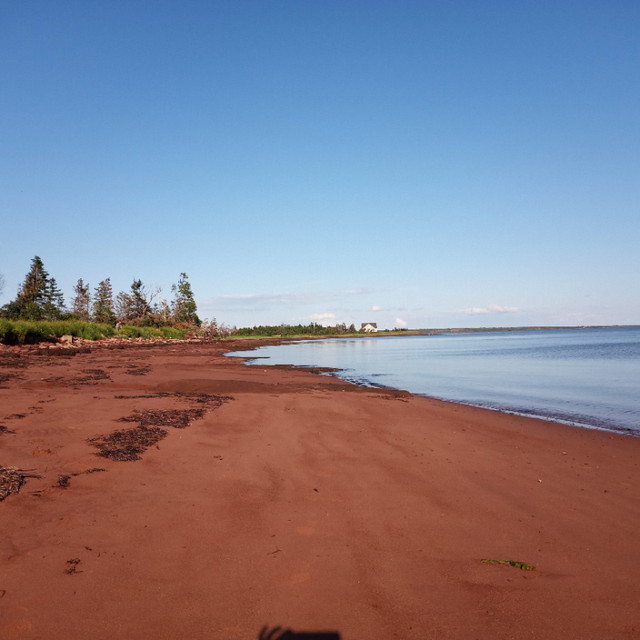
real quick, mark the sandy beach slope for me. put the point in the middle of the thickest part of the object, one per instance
(280, 497)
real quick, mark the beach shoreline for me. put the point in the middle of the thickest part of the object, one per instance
(297, 500)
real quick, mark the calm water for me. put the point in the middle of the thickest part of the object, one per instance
(585, 377)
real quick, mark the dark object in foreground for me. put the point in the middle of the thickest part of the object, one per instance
(278, 633)
(176, 418)
(72, 566)
(11, 480)
(127, 444)
(514, 563)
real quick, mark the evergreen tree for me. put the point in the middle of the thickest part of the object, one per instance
(103, 303)
(34, 285)
(135, 306)
(184, 306)
(140, 301)
(53, 306)
(123, 305)
(82, 301)
(39, 297)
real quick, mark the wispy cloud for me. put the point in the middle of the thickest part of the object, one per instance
(322, 316)
(400, 322)
(491, 308)
(254, 300)
(257, 301)
(357, 292)
(376, 308)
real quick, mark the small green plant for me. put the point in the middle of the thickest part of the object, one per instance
(514, 563)
(173, 333)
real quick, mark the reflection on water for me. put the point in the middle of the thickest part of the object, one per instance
(589, 377)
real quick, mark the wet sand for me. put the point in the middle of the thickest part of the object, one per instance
(279, 497)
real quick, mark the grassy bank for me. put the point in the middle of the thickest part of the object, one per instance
(30, 332)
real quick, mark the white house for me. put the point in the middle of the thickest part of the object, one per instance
(368, 327)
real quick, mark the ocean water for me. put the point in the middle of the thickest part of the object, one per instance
(583, 377)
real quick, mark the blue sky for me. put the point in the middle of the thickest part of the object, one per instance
(410, 163)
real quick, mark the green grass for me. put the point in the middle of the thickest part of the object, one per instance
(30, 332)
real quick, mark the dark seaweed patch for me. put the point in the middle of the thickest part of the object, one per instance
(210, 400)
(92, 376)
(176, 418)
(12, 360)
(10, 481)
(72, 566)
(137, 371)
(127, 444)
(159, 394)
(6, 376)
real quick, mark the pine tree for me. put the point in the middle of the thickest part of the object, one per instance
(53, 306)
(34, 285)
(103, 303)
(184, 306)
(39, 297)
(139, 300)
(123, 306)
(135, 306)
(82, 301)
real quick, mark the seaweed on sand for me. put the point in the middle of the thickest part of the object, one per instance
(92, 376)
(513, 563)
(11, 479)
(127, 444)
(134, 370)
(176, 418)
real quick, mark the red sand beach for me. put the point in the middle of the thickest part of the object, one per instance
(278, 497)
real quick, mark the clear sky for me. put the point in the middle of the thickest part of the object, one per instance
(428, 163)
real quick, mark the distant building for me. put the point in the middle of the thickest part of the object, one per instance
(368, 327)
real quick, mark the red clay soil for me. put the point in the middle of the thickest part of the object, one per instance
(279, 497)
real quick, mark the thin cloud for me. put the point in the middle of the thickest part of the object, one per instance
(286, 297)
(357, 292)
(267, 297)
(400, 322)
(259, 301)
(491, 308)
(322, 316)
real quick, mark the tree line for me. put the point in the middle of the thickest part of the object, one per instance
(283, 330)
(40, 298)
